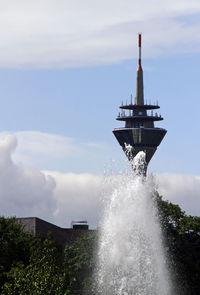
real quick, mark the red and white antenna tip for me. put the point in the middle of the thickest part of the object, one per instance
(139, 40)
(140, 52)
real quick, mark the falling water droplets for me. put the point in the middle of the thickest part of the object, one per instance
(131, 259)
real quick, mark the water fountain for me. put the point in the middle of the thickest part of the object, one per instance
(131, 259)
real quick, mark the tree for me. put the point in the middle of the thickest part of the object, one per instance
(43, 275)
(15, 246)
(182, 242)
(80, 263)
(34, 267)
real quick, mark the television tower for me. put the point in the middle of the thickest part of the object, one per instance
(139, 133)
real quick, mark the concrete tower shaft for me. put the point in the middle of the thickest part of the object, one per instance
(139, 99)
(139, 131)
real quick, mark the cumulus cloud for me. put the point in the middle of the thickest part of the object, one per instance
(62, 197)
(54, 196)
(183, 190)
(53, 151)
(67, 33)
(78, 197)
(23, 191)
(43, 144)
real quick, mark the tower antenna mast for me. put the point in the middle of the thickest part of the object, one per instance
(139, 131)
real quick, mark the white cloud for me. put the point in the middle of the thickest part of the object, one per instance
(67, 33)
(46, 144)
(54, 196)
(78, 197)
(23, 191)
(183, 190)
(62, 197)
(52, 151)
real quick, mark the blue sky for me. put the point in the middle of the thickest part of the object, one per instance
(65, 67)
(82, 104)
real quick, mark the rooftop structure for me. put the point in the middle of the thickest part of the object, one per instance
(62, 236)
(139, 132)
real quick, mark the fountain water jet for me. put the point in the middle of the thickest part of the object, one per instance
(131, 258)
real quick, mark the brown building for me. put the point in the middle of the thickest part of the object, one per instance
(62, 236)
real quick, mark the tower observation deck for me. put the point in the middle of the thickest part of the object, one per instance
(139, 131)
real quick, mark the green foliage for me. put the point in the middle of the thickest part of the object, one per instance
(43, 275)
(29, 266)
(182, 241)
(80, 260)
(173, 219)
(15, 246)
